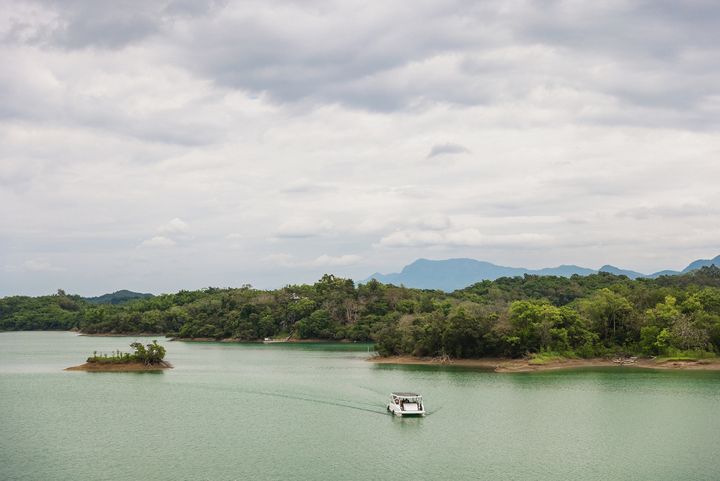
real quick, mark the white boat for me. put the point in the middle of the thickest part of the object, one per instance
(406, 404)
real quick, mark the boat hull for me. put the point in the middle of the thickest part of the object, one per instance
(399, 412)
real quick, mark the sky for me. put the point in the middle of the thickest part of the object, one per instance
(167, 145)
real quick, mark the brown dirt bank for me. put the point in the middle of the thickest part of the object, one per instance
(211, 339)
(126, 367)
(524, 365)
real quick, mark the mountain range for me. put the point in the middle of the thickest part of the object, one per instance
(451, 274)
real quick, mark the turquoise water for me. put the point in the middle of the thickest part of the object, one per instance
(317, 412)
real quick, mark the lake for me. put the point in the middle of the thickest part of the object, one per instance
(317, 412)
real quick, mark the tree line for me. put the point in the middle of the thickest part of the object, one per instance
(585, 316)
(149, 354)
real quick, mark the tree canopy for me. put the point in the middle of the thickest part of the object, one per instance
(584, 315)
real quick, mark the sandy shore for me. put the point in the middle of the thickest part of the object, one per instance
(525, 365)
(127, 367)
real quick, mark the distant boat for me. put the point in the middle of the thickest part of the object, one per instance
(269, 340)
(406, 404)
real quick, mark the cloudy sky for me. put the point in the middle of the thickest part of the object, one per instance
(164, 145)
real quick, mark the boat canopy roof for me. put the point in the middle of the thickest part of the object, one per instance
(405, 394)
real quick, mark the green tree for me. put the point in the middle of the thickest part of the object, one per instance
(610, 313)
(153, 353)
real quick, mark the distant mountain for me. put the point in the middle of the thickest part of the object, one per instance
(452, 274)
(621, 272)
(655, 275)
(119, 297)
(702, 263)
(563, 271)
(447, 274)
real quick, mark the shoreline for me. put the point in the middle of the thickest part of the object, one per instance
(112, 334)
(125, 367)
(261, 341)
(502, 365)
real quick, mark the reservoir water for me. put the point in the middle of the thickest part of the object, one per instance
(317, 412)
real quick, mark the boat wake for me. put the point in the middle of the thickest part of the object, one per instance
(368, 407)
(339, 402)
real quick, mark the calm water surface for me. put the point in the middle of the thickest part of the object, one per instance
(317, 412)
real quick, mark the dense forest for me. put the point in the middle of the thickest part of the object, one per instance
(585, 316)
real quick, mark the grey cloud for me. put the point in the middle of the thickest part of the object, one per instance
(105, 24)
(298, 127)
(655, 62)
(41, 95)
(663, 48)
(78, 24)
(441, 149)
(645, 29)
(377, 68)
(327, 55)
(193, 7)
(108, 32)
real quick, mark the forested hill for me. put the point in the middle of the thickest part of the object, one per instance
(585, 316)
(118, 297)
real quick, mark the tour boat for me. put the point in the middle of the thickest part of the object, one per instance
(406, 404)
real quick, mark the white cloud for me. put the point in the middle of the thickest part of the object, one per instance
(40, 265)
(300, 227)
(464, 237)
(281, 259)
(335, 261)
(676, 209)
(158, 241)
(174, 226)
(324, 260)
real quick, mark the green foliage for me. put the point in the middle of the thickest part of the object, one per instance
(610, 314)
(587, 316)
(651, 343)
(55, 312)
(317, 325)
(115, 357)
(686, 355)
(149, 354)
(545, 357)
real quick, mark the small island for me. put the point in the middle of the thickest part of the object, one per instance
(143, 358)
